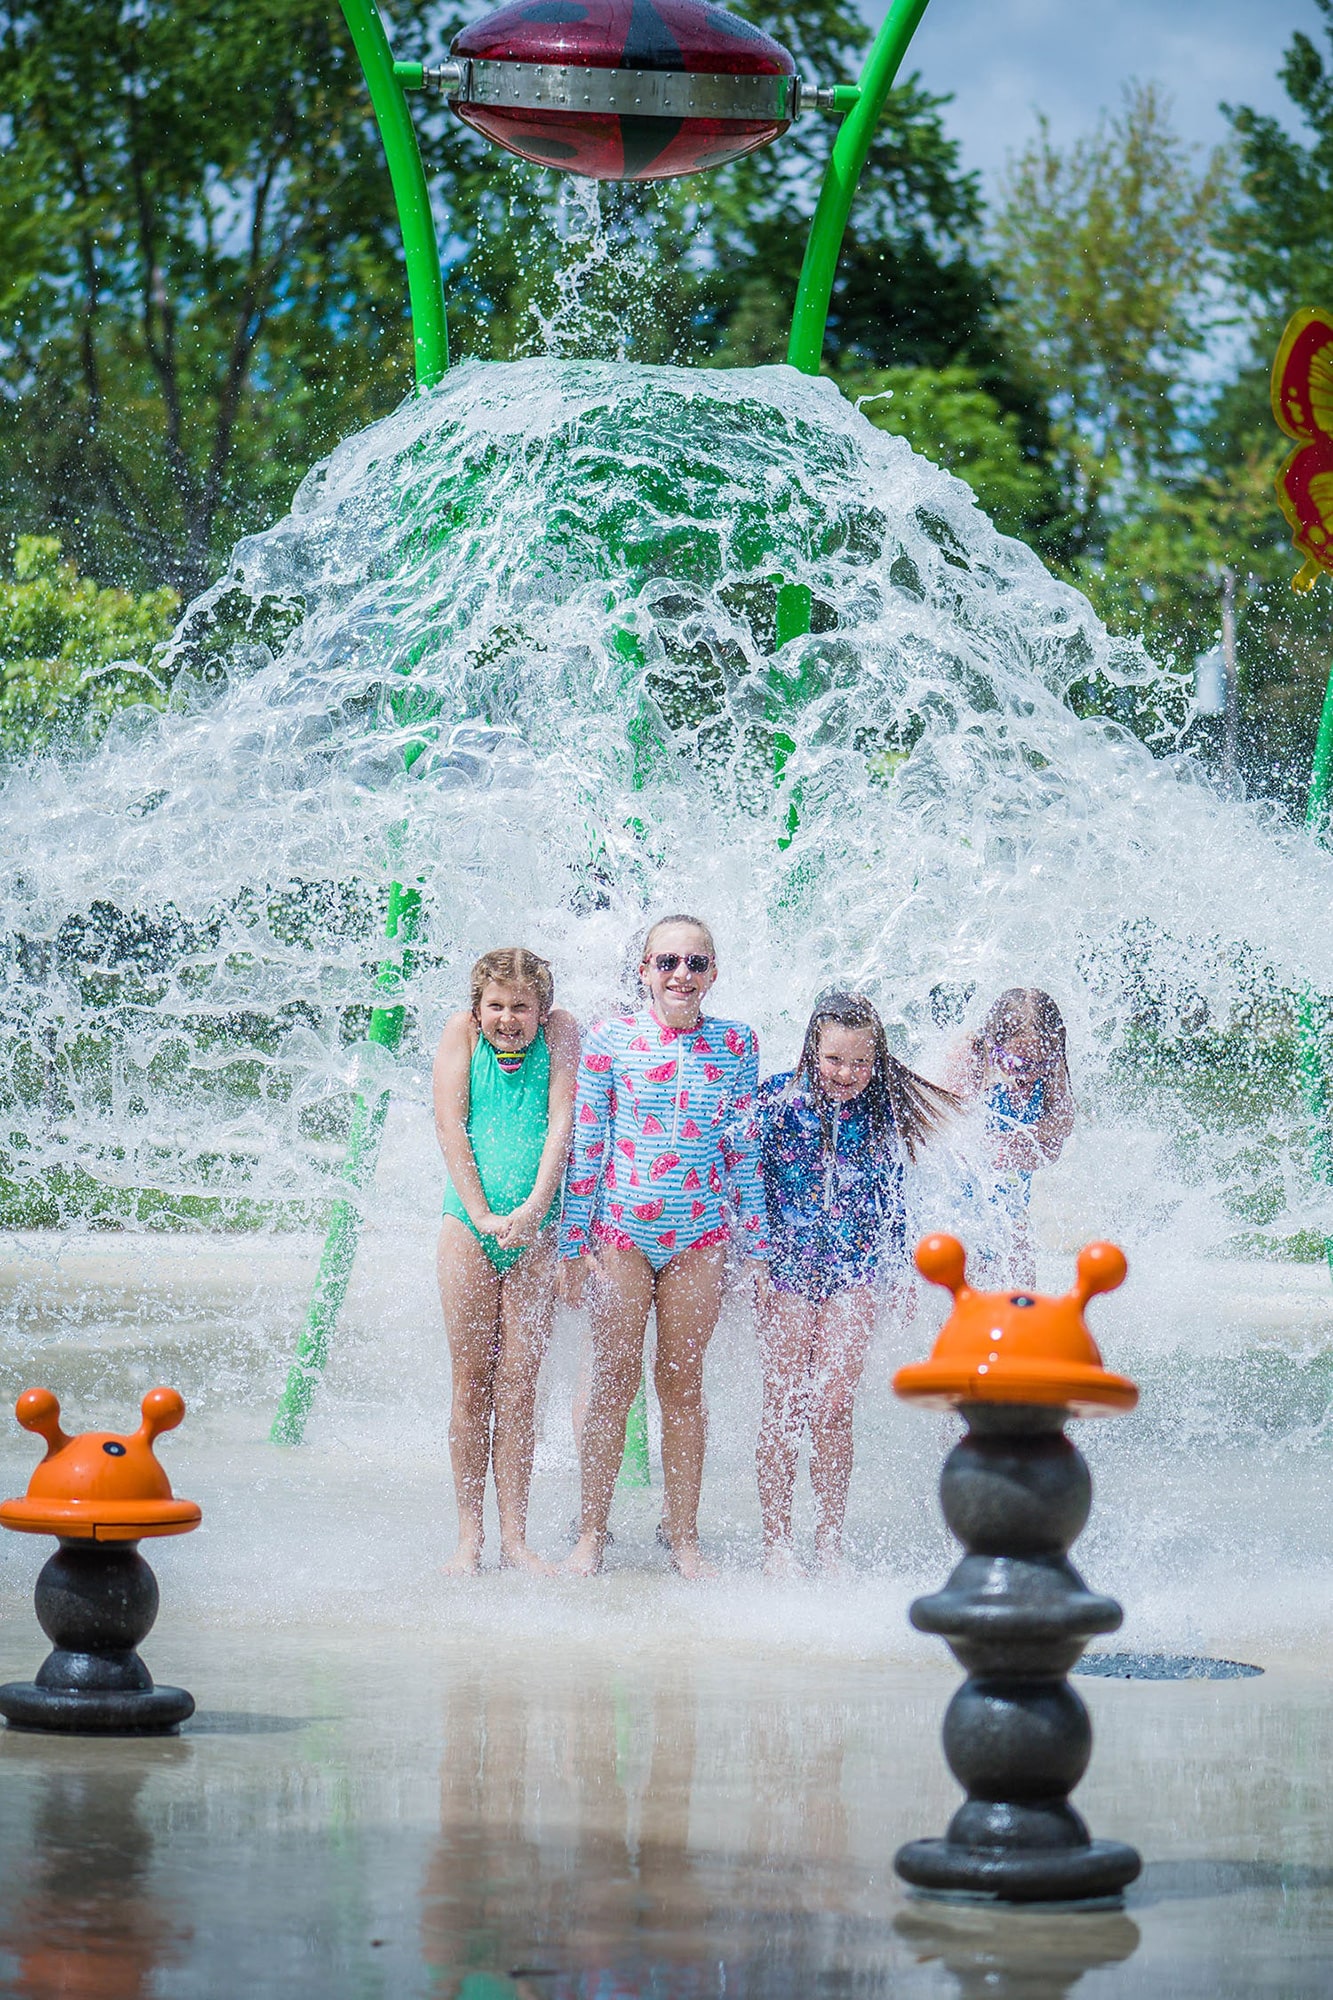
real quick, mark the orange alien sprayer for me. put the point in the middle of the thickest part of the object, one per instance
(100, 1493)
(1016, 1613)
(1017, 1347)
(100, 1486)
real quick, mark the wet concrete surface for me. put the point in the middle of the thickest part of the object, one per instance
(382, 1814)
(400, 1785)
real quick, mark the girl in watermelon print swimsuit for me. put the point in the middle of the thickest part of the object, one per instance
(662, 1171)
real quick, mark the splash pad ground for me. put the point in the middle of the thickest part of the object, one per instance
(396, 1785)
(407, 1815)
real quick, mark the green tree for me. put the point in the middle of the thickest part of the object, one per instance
(202, 284)
(1277, 242)
(1164, 549)
(201, 288)
(1277, 232)
(72, 652)
(1107, 254)
(949, 415)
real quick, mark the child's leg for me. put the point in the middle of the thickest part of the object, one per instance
(786, 1330)
(1021, 1271)
(620, 1293)
(842, 1337)
(470, 1296)
(527, 1308)
(689, 1298)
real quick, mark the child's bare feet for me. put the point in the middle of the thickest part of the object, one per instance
(828, 1557)
(523, 1559)
(781, 1563)
(466, 1558)
(585, 1558)
(688, 1560)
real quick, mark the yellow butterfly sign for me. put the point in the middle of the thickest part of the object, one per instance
(1303, 406)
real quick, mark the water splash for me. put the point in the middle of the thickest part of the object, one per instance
(603, 276)
(516, 644)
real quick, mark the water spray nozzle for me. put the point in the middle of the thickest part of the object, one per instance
(101, 1486)
(1017, 1346)
(634, 90)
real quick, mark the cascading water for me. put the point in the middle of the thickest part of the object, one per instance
(515, 644)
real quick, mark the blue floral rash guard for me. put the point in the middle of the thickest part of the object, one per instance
(835, 1218)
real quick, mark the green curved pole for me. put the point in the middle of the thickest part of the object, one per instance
(363, 1143)
(1316, 810)
(430, 340)
(851, 148)
(425, 282)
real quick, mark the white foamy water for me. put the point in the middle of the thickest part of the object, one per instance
(555, 582)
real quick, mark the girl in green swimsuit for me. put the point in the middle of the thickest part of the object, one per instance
(504, 1108)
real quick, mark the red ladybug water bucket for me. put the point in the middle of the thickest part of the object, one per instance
(623, 90)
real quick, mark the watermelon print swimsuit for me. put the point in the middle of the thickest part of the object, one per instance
(664, 1150)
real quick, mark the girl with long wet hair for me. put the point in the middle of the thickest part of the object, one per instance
(1015, 1067)
(836, 1136)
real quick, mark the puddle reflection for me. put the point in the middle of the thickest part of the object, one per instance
(80, 1917)
(661, 1833)
(630, 1836)
(1017, 1954)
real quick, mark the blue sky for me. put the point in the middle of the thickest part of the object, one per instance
(1003, 59)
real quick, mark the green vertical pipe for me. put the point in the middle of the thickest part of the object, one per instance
(795, 607)
(425, 281)
(363, 1139)
(851, 148)
(635, 1469)
(1316, 1014)
(430, 345)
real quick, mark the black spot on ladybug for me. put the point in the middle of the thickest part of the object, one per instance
(644, 141)
(649, 42)
(113, 1448)
(543, 148)
(1021, 1299)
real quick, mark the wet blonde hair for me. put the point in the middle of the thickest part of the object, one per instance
(514, 965)
(695, 924)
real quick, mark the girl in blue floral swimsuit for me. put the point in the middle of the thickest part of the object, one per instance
(836, 1135)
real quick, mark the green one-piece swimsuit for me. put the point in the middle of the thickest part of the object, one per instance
(506, 1128)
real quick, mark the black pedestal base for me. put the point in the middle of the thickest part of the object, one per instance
(96, 1601)
(154, 1711)
(1034, 1875)
(1017, 1615)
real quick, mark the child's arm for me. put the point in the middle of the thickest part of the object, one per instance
(562, 1042)
(961, 1072)
(1025, 1148)
(741, 1152)
(1055, 1124)
(452, 1093)
(587, 1158)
